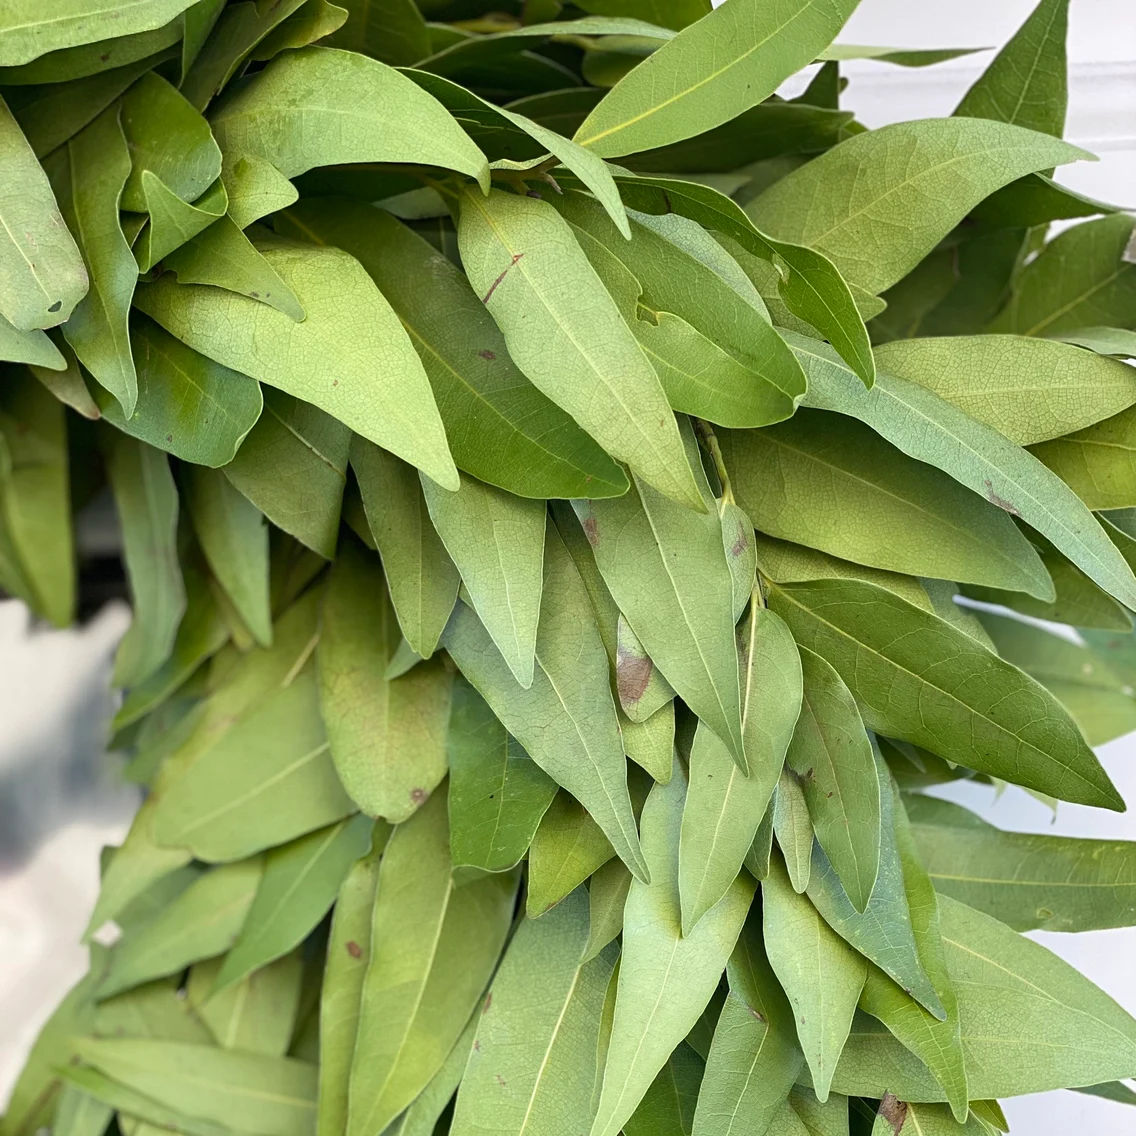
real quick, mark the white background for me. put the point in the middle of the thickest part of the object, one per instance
(53, 700)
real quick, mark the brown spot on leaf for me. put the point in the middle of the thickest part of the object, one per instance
(1001, 502)
(487, 355)
(590, 531)
(418, 795)
(632, 674)
(353, 949)
(894, 1111)
(488, 1002)
(739, 546)
(500, 1079)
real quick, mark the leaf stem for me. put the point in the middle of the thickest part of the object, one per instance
(710, 440)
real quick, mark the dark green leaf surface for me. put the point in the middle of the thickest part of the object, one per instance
(918, 678)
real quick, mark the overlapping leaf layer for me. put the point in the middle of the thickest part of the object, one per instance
(557, 481)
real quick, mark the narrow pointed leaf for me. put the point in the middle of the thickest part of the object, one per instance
(833, 758)
(793, 828)
(801, 948)
(497, 542)
(497, 793)
(665, 980)
(568, 847)
(423, 980)
(565, 332)
(711, 72)
(923, 176)
(534, 1057)
(877, 506)
(566, 720)
(724, 806)
(393, 757)
(46, 277)
(928, 428)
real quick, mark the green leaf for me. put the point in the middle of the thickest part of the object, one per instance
(565, 332)
(935, 1039)
(223, 256)
(666, 13)
(919, 679)
(828, 1119)
(607, 898)
(721, 66)
(665, 979)
(534, 1058)
(309, 108)
(237, 32)
(497, 542)
(348, 953)
(666, 568)
(394, 756)
(668, 1105)
(433, 950)
(237, 694)
(257, 1014)
(831, 482)
(312, 21)
(925, 427)
(794, 830)
(32, 347)
(88, 175)
(35, 499)
(234, 538)
(723, 805)
(567, 848)
(1099, 700)
(1030, 882)
(808, 283)
(147, 505)
(590, 169)
(188, 405)
(1097, 462)
(301, 880)
(1030, 390)
(765, 131)
(201, 634)
(1026, 83)
(566, 720)
(833, 758)
(168, 138)
(1111, 1090)
(884, 932)
(350, 357)
(500, 427)
(497, 793)
(202, 922)
(902, 1118)
(422, 578)
(392, 31)
(273, 1094)
(1080, 279)
(718, 357)
(173, 222)
(1029, 1022)
(293, 468)
(802, 947)
(28, 30)
(1104, 340)
(749, 1071)
(268, 779)
(44, 275)
(255, 188)
(908, 185)
(79, 1114)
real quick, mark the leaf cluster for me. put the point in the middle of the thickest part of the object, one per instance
(575, 502)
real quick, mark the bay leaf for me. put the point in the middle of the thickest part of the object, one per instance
(497, 793)
(393, 757)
